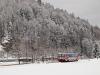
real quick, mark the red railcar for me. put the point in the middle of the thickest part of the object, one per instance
(64, 57)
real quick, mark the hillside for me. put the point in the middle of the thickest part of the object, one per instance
(32, 28)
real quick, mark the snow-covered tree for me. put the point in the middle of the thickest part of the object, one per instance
(34, 28)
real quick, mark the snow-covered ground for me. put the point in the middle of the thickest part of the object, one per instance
(82, 67)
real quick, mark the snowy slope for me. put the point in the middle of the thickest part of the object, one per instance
(82, 67)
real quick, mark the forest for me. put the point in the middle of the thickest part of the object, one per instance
(31, 28)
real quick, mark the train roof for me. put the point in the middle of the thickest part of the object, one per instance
(69, 53)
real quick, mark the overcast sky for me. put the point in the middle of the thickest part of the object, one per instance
(87, 9)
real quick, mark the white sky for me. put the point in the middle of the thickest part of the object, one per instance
(87, 9)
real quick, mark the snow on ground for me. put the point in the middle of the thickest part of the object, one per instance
(82, 67)
(8, 63)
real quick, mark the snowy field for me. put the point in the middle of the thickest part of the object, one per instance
(82, 67)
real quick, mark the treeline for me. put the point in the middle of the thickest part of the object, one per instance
(31, 28)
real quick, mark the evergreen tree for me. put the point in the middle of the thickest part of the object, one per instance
(96, 51)
(39, 1)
